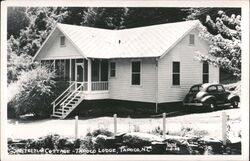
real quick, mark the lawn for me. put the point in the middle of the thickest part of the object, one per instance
(208, 124)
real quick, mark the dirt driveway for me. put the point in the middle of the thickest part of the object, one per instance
(210, 122)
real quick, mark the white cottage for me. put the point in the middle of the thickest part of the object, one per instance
(154, 64)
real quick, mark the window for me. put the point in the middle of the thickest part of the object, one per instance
(212, 89)
(136, 73)
(205, 73)
(112, 69)
(220, 89)
(195, 89)
(176, 73)
(191, 39)
(62, 41)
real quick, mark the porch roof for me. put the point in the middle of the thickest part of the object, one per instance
(149, 41)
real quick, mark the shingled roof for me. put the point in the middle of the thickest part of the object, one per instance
(149, 41)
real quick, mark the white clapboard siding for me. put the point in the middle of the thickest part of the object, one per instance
(190, 69)
(53, 50)
(120, 87)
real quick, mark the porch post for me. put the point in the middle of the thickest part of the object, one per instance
(83, 72)
(89, 75)
(54, 64)
(64, 69)
(100, 70)
(70, 68)
(156, 85)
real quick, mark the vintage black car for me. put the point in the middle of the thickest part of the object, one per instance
(210, 96)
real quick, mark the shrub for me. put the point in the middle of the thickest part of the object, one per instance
(100, 131)
(136, 139)
(34, 94)
(47, 141)
(100, 141)
(87, 143)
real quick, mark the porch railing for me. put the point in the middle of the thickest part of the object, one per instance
(99, 86)
(95, 86)
(84, 86)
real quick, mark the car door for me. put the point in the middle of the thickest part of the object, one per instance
(212, 90)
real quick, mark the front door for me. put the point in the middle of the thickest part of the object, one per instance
(79, 74)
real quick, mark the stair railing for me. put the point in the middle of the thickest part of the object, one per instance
(76, 90)
(78, 93)
(55, 103)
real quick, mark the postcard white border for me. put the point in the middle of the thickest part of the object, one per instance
(244, 4)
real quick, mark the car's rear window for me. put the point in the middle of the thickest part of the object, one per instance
(195, 89)
(220, 89)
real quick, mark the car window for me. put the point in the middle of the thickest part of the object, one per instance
(220, 89)
(195, 89)
(212, 89)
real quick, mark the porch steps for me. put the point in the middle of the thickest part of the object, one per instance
(67, 101)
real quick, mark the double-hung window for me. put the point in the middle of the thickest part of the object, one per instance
(112, 69)
(176, 73)
(136, 73)
(205, 73)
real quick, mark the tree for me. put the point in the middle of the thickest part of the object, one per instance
(225, 48)
(224, 34)
(138, 17)
(108, 18)
(17, 19)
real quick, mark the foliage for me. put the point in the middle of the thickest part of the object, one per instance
(41, 22)
(35, 92)
(17, 19)
(139, 139)
(100, 131)
(224, 34)
(17, 64)
(109, 18)
(138, 17)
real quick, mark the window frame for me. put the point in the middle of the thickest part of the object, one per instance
(205, 73)
(110, 69)
(176, 73)
(64, 40)
(140, 73)
(189, 40)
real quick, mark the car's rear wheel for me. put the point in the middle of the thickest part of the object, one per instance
(235, 104)
(211, 106)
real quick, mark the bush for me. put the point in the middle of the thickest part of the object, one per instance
(35, 93)
(100, 131)
(136, 139)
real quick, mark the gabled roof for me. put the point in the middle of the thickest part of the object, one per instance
(149, 41)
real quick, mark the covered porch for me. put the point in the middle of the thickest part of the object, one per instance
(90, 76)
